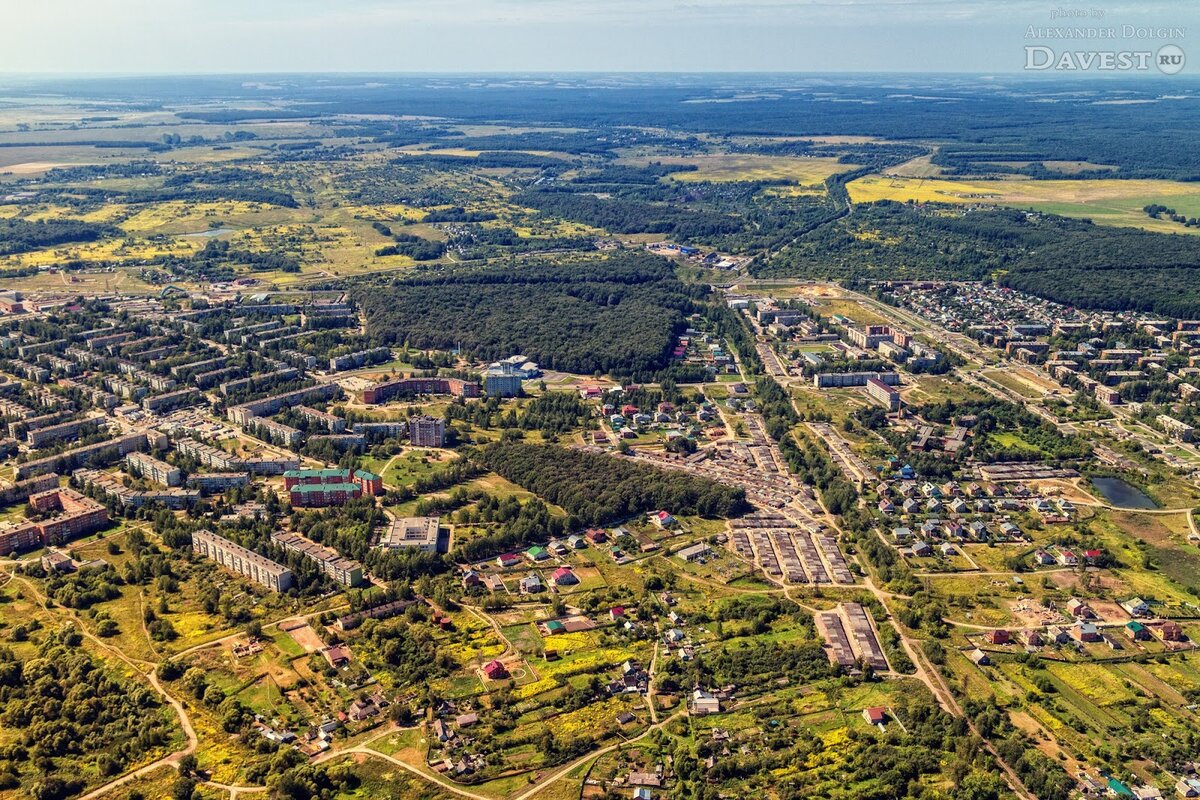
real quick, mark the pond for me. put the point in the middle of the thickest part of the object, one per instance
(1119, 493)
(208, 234)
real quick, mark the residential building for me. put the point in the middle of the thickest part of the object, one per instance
(345, 571)
(152, 469)
(427, 431)
(244, 562)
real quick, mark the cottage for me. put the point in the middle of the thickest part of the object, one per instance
(1087, 632)
(495, 670)
(1079, 609)
(662, 519)
(531, 584)
(508, 560)
(1171, 631)
(1137, 631)
(564, 576)
(337, 656)
(997, 637)
(537, 553)
(1136, 607)
(980, 658)
(875, 715)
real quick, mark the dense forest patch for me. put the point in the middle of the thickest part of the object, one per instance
(615, 313)
(21, 236)
(601, 489)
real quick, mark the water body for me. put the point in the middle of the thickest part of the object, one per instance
(1119, 493)
(208, 234)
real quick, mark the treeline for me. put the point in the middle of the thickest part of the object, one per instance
(616, 314)
(414, 247)
(624, 215)
(599, 489)
(21, 236)
(1157, 211)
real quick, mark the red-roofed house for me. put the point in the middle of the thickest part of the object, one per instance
(876, 715)
(495, 670)
(563, 576)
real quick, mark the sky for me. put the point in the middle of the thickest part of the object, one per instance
(256, 36)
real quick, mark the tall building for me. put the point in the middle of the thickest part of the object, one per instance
(427, 431)
(503, 380)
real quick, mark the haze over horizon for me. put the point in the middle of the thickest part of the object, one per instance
(371, 36)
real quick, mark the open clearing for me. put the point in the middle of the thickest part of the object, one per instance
(743, 167)
(1107, 202)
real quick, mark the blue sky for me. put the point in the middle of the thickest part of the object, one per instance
(232, 36)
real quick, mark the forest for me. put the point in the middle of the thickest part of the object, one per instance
(600, 489)
(72, 719)
(21, 236)
(616, 313)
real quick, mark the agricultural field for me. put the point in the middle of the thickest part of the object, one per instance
(1104, 201)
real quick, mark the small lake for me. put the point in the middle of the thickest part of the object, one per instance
(208, 234)
(1119, 493)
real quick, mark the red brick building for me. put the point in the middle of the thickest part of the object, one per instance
(73, 515)
(408, 387)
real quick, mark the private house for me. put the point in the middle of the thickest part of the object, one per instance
(495, 671)
(337, 656)
(662, 519)
(997, 637)
(1079, 609)
(1137, 631)
(564, 576)
(508, 560)
(1136, 607)
(875, 715)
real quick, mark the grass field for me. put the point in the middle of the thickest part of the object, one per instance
(1106, 202)
(745, 167)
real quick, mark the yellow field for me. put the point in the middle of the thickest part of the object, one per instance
(1107, 202)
